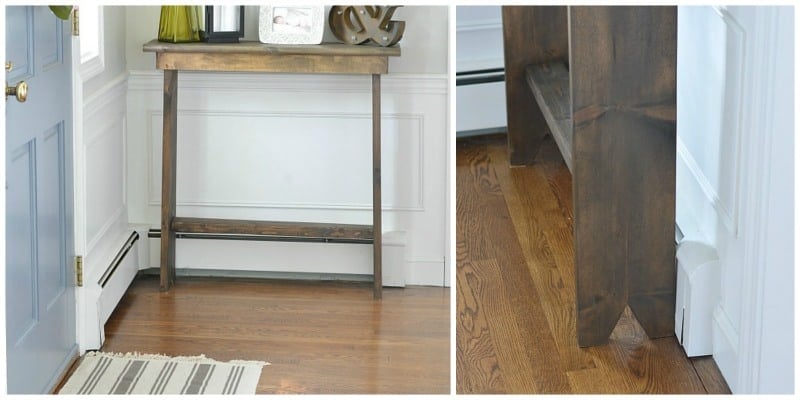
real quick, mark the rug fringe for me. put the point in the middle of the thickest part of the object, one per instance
(201, 357)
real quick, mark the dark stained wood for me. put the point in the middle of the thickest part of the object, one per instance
(610, 105)
(273, 228)
(623, 74)
(377, 257)
(288, 63)
(550, 86)
(517, 223)
(169, 144)
(531, 35)
(335, 58)
(320, 337)
(258, 57)
(256, 48)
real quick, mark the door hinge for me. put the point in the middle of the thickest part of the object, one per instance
(76, 25)
(79, 271)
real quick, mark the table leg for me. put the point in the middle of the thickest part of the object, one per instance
(376, 184)
(168, 167)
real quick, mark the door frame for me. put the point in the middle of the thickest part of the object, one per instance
(78, 184)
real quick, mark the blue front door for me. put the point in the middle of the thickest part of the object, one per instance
(40, 283)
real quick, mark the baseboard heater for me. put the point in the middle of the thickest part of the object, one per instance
(102, 292)
(480, 76)
(156, 234)
(112, 267)
(480, 102)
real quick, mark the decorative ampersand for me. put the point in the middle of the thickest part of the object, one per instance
(358, 24)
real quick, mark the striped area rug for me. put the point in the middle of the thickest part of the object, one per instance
(108, 373)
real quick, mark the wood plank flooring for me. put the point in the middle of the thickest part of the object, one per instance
(321, 337)
(515, 312)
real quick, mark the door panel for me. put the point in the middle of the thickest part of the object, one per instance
(20, 19)
(50, 201)
(40, 288)
(19, 245)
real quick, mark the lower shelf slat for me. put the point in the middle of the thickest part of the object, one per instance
(275, 230)
(550, 86)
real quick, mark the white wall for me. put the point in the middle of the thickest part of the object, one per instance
(283, 147)
(100, 173)
(734, 177)
(479, 37)
(479, 46)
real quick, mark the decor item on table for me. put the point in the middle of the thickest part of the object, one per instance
(133, 373)
(358, 24)
(62, 12)
(223, 24)
(291, 24)
(180, 24)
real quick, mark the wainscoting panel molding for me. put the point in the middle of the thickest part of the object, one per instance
(296, 147)
(101, 196)
(103, 163)
(711, 151)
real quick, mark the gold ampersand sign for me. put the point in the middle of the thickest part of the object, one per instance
(358, 24)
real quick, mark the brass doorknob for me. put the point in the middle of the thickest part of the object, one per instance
(20, 91)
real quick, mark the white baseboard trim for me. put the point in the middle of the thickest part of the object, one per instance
(303, 259)
(726, 345)
(99, 299)
(426, 273)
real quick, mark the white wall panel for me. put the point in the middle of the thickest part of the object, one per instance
(103, 165)
(101, 198)
(711, 108)
(290, 160)
(479, 46)
(479, 37)
(733, 77)
(296, 148)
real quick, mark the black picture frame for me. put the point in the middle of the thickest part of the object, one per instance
(212, 36)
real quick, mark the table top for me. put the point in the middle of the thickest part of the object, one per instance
(255, 48)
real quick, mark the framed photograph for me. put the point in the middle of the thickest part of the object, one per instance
(295, 24)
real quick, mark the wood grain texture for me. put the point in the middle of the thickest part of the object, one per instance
(256, 48)
(284, 63)
(272, 228)
(505, 296)
(550, 86)
(377, 226)
(709, 374)
(517, 223)
(169, 153)
(531, 35)
(321, 338)
(623, 77)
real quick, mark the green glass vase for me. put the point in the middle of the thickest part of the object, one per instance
(180, 24)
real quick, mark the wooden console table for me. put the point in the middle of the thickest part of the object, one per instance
(258, 57)
(602, 81)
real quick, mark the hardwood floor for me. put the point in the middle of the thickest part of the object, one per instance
(321, 337)
(515, 282)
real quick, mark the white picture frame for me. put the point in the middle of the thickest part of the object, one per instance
(291, 24)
